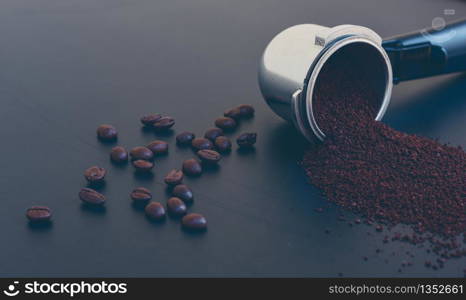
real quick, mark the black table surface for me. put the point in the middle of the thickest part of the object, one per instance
(68, 66)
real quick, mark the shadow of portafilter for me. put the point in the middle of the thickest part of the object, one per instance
(430, 106)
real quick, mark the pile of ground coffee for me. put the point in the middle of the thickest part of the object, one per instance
(387, 176)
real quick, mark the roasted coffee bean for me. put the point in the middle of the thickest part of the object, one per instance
(158, 147)
(143, 153)
(192, 167)
(213, 133)
(176, 207)
(143, 165)
(209, 156)
(234, 113)
(174, 177)
(107, 132)
(201, 144)
(183, 192)
(185, 138)
(141, 194)
(222, 144)
(246, 140)
(95, 174)
(164, 123)
(119, 154)
(149, 120)
(194, 222)
(38, 214)
(155, 211)
(246, 110)
(91, 196)
(226, 123)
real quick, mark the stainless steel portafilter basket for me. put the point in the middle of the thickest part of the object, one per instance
(293, 60)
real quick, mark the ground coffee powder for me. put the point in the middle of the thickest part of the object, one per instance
(387, 176)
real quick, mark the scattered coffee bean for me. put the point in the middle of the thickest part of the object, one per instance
(143, 165)
(234, 113)
(209, 156)
(143, 153)
(95, 174)
(246, 110)
(164, 123)
(246, 140)
(213, 133)
(141, 194)
(158, 147)
(174, 177)
(155, 211)
(226, 123)
(222, 144)
(185, 138)
(119, 154)
(194, 222)
(176, 207)
(201, 144)
(38, 214)
(192, 167)
(107, 132)
(183, 192)
(91, 196)
(149, 120)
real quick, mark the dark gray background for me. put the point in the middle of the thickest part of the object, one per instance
(68, 66)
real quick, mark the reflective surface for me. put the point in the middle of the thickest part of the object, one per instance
(68, 66)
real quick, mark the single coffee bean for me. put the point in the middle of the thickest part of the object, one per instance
(194, 222)
(226, 123)
(91, 196)
(38, 214)
(164, 123)
(246, 140)
(149, 120)
(143, 165)
(209, 156)
(174, 177)
(183, 192)
(192, 167)
(143, 153)
(185, 138)
(141, 194)
(155, 211)
(95, 174)
(213, 133)
(222, 144)
(202, 143)
(176, 207)
(234, 113)
(107, 132)
(119, 154)
(158, 147)
(246, 110)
